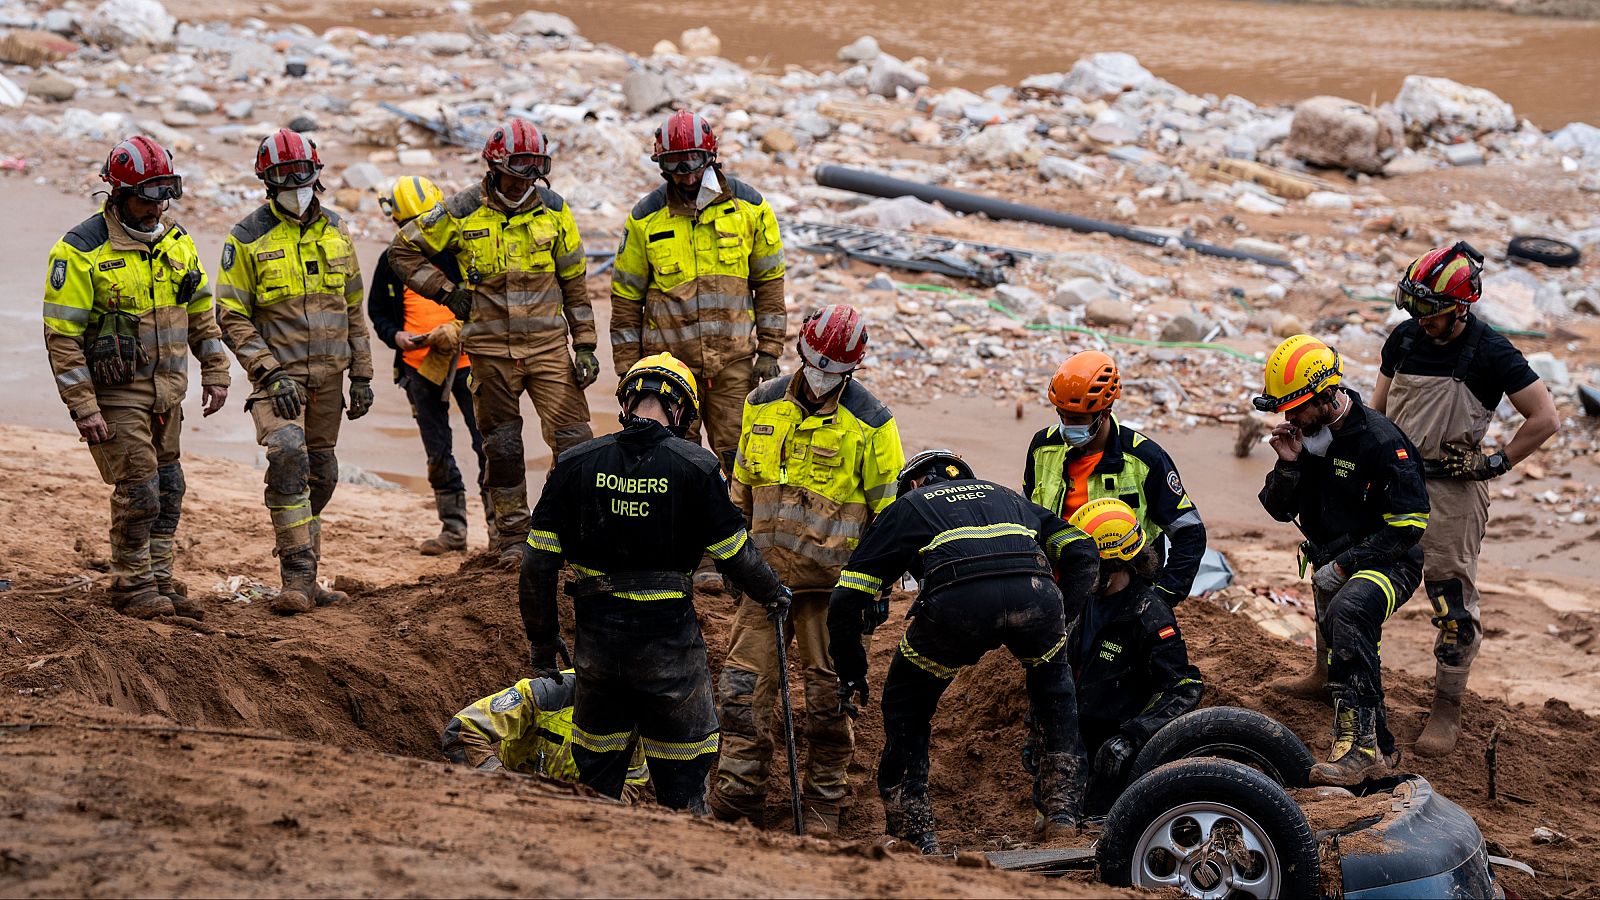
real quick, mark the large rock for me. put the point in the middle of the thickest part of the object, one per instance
(34, 48)
(362, 176)
(1006, 146)
(1081, 291)
(1110, 312)
(644, 91)
(700, 42)
(1343, 134)
(779, 140)
(1449, 112)
(1580, 138)
(53, 88)
(191, 99)
(444, 43)
(130, 23)
(1102, 76)
(897, 214)
(1185, 328)
(862, 49)
(1509, 300)
(888, 74)
(534, 23)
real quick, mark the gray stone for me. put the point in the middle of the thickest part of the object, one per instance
(534, 23)
(1409, 164)
(178, 118)
(1467, 154)
(1152, 173)
(880, 282)
(1054, 168)
(415, 158)
(303, 124)
(1109, 312)
(1580, 138)
(1551, 370)
(814, 124)
(251, 59)
(1509, 300)
(191, 99)
(1343, 134)
(52, 88)
(862, 49)
(1260, 247)
(59, 21)
(362, 176)
(779, 140)
(130, 23)
(645, 92)
(238, 109)
(1081, 291)
(1103, 76)
(444, 43)
(1240, 146)
(888, 75)
(1185, 328)
(1447, 111)
(1135, 155)
(1018, 300)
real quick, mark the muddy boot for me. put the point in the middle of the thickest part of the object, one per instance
(321, 595)
(511, 557)
(732, 809)
(821, 821)
(1053, 828)
(452, 506)
(910, 818)
(1354, 758)
(178, 594)
(1311, 686)
(141, 603)
(1444, 721)
(299, 570)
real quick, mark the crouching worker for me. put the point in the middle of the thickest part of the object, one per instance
(527, 728)
(1127, 655)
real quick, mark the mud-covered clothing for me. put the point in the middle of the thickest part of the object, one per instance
(393, 308)
(526, 728)
(1361, 504)
(1132, 671)
(1350, 622)
(1446, 394)
(96, 267)
(1134, 469)
(633, 513)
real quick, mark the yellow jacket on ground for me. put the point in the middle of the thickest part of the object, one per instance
(290, 296)
(526, 728)
(698, 284)
(526, 270)
(810, 483)
(97, 264)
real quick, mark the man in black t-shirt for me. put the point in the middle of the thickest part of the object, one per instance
(1442, 376)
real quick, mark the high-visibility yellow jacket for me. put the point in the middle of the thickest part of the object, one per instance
(526, 270)
(810, 483)
(97, 264)
(526, 728)
(290, 296)
(698, 284)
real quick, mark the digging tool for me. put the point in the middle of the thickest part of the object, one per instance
(788, 725)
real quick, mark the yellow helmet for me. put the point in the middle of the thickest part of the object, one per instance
(1113, 527)
(410, 196)
(662, 374)
(1300, 368)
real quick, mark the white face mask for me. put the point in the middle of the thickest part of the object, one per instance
(1317, 444)
(515, 203)
(297, 202)
(710, 189)
(148, 237)
(821, 383)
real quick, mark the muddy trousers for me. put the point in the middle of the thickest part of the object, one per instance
(1350, 623)
(302, 469)
(722, 396)
(497, 388)
(643, 678)
(955, 627)
(140, 462)
(747, 692)
(1450, 545)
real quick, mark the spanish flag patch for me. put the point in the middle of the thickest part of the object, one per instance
(1166, 632)
(1400, 453)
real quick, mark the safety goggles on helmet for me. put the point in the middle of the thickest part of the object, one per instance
(158, 190)
(527, 165)
(685, 162)
(293, 174)
(1296, 397)
(1416, 295)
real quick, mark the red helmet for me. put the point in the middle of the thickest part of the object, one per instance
(1441, 280)
(517, 148)
(685, 143)
(834, 340)
(287, 160)
(144, 168)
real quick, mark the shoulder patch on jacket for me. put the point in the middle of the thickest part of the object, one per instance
(88, 234)
(650, 203)
(255, 226)
(703, 459)
(464, 204)
(864, 406)
(227, 256)
(745, 192)
(58, 274)
(552, 200)
(506, 700)
(771, 390)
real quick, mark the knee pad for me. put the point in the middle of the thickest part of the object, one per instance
(171, 488)
(503, 447)
(1458, 633)
(288, 467)
(735, 690)
(140, 499)
(322, 476)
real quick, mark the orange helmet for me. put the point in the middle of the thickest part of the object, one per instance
(1086, 383)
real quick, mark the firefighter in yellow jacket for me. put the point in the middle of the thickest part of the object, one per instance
(527, 728)
(700, 275)
(818, 457)
(290, 307)
(524, 291)
(125, 302)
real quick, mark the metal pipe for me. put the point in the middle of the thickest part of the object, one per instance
(876, 185)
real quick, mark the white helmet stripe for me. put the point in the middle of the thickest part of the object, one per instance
(135, 155)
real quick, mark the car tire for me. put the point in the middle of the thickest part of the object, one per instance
(1201, 826)
(1544, 251)
(1229, 732)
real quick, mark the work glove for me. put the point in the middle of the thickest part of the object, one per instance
(1112, 759)
(585, 366)
(1328, 579)
(444, 337)
(766, 367)
(459, 302)
(778, 607)
(360, 398)
(876, 613)
(1467, 463)
(287, 395)
(850, 690)
(544, 660)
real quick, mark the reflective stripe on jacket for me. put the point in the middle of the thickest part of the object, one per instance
(811, 483)
(526, 728)
(698, 284)
(290, 296)
(526, 269)
(97, 264)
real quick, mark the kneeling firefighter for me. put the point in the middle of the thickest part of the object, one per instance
(983, 555)
(633, 512)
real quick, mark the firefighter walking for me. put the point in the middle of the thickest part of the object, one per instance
(632, 513)
(289, 299)
(1352, 483)
(125, 303)
(984, 557)
(1441, 377)
(818, 458)
(700, 275)
(523, 292)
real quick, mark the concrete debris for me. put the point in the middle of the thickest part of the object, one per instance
(1449, 112)
(644, 91)
(880, 282)
(1580, 138)
(898, 214)
(362, 176)
(1465, 154)
(779, 140)
(129, 23)
(191, 99)
(1103, 76)
(444, 43)
(34, 48)
(1185, 327)
(1110, 312)
(1343, 134)
(52, 88)
(697, 42)
(416, 158)
(862, 49)
(888, 76)
(1053, 168)
(1508, 300)
(1409, 164)
(11, 94)
(1081, 291)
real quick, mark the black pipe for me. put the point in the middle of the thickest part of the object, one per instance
(960, 201)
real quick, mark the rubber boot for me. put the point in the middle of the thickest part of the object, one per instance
(144, 603)
(452, 506)
(1311, 686)
(321, 595)
(821, 821)
(910, 818)
(732, 809)
(1354, 758)
(299, 570)
(1444, 721)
